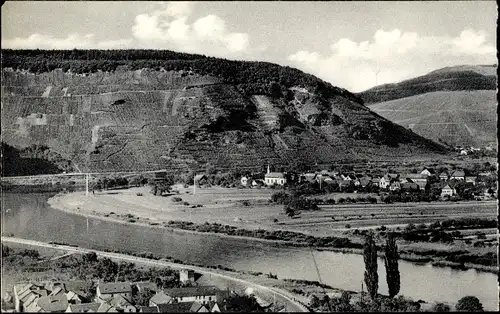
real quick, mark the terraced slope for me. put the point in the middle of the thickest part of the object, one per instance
(458, 110)
(187, 112)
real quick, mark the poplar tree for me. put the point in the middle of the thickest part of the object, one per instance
(391, 265)
(370, 257)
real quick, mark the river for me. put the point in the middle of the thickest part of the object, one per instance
(29, 216)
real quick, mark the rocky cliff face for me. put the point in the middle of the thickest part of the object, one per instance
(155, 118)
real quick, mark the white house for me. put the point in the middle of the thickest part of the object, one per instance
(448, 191)
(186, 275)
(426, 172)
(274, 178)
(244, 181)
(384, 182)
(200, 294)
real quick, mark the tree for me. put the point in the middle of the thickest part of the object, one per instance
(391, 265)
(441, 307)
(469, 304)
(142, 297)
(370, 257)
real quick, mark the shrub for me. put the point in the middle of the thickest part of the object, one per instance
(138, 194)
(347, 226)
(185, 203)
(441, 307)
(131, 220)
(177, 199)
(469, 304)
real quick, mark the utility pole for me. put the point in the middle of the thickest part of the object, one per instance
(194, 184)
(87, 184)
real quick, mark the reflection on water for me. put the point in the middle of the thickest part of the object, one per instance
(30, 217)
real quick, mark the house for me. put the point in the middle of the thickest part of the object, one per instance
(463, 152)
(160, 298)
(328, 179)
(343, 184)
(448, 191)
(384, 182)
(444, 176)
(121, 304)
(27, 293)
(142, 285)
(395, 186)
(485, 174)
(200, 179)
(427, 172)
(419, 179)
(375, 181)
(74, 298)
(149, 309)
(308, 177)
(275, 178)
(258, 182)
(109, 290)
(471, 179)
(202, 294)
(183, 307)
(244, 180)
(186, 275)
(106, 308)
(213, 307)
(54, 303)
(409, 187)
(458, 175)
(365, 181)
(83, 307)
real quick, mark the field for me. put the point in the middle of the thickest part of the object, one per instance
(250, 209)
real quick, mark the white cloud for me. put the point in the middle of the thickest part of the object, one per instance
(169, 29)
(165, 27)
(395, 55)
(72, 41)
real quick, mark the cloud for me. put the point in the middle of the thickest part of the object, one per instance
(166, 26)
(392, 56)
(169, 28)
(72, 41)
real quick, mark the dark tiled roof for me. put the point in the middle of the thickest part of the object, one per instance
(115, 287)
(181, 307)
(56, 303)
(192, 291)
(149, 309)
(279, 175)
(84, 307)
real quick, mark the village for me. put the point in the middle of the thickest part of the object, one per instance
(431, 184)
(76, 296)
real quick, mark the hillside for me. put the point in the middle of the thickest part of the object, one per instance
(146, 109)
(458, 78)
(457, 118)
(458, 110)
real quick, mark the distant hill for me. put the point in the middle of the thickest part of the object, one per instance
(453, 105)
(150, 109)
(457, 78)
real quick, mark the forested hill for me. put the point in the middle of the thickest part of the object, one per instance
(150, 109)
(250, 77)
(459, 78)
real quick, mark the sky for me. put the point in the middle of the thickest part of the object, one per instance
(353, 45)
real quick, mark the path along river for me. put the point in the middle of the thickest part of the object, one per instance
(29, 216)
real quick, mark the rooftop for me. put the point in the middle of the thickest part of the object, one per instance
(279, 175)
(115, 287)
(191, 291)
(84, 307)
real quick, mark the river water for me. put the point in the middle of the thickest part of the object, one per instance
(29, 216)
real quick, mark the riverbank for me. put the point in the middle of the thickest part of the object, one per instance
(78, 203)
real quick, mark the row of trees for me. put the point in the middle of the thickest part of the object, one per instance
(467, 304)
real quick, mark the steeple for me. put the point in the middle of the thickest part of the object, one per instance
(268, 169)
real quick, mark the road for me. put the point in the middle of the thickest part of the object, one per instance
(281, 295)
